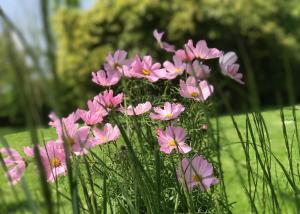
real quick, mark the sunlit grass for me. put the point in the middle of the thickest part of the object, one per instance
(231, 146)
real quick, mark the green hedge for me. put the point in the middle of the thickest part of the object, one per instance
(266, 34)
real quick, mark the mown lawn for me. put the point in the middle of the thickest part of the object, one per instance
(230, 145)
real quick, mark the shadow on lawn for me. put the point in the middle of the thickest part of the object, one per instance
(15, 207)
(23, 207)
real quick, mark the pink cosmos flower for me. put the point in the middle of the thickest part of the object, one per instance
(59, 124)
(198, 70)
(90, 117)
(106, 77)
(78, 140)
(197, 172)
(197, 91)
(116, 61)
(173, 70)
(230, 68)
(145, 69)
(107, 134)
(170, 111)
(53, 159)
(76, 137)
(139, 109)
(108, 100)
(94, 115)
(127, 70)
(164, 45)
(14, 164)
(172, 138)
(97, 107)
(184, 56)
(201, 51)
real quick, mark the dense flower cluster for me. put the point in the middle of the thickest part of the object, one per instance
(79, 133)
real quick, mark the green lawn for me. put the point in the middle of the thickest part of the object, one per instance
(230, 145)
(229, 141)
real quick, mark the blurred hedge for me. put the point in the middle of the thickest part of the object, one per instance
(266, 34)
(9, 102)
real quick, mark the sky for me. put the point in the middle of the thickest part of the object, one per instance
(25, 15)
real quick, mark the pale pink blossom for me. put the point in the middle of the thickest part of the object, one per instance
(174, 69)
(106, 77)
(230, 68)
(172, 138)
(139, 109)
(53, 159)
(64, 123)
(185, 55)
(107, 134)
(127, 70)
(116, 61)
(14, 164)
(198, 70)
(201, 51)
(90, 117)
(199, 91)
(147, 69)
(95, 114)
(196, 172)
(76, 137)
(169, 112)
(97, 107)
(29, 151)
(78, 140)
(164, 45)
(108, 100)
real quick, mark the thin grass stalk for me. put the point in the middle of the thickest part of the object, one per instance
(263, 146)
(85, 193)
(287, 146)
(29, 52)
(72, 180)
(32, 120)
(139, 173)
(267, 176)
(178, 188)
(253, 206)
(91, 183)
(216, 143)
(246, 152)
(251, 83)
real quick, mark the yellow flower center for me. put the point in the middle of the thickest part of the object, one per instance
(196, 178)
(55, 162)
(116, 65)
(172, 142)
(169, 115)
(103, 139)
(177, 70)
(194, 94)
(70, 141)
(146, 71)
